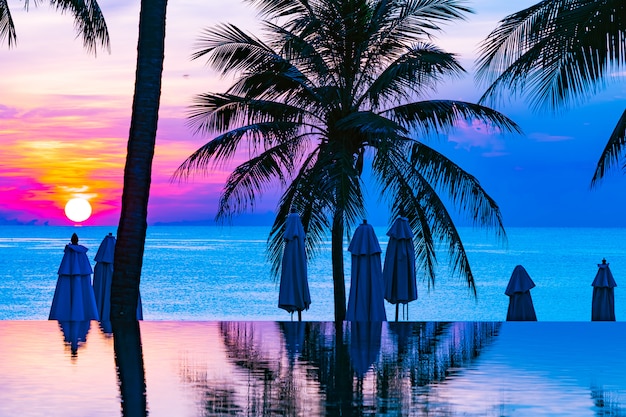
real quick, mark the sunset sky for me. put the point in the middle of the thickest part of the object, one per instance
(65, 115)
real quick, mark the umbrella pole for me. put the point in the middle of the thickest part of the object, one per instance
(299, 315)
(397, 311)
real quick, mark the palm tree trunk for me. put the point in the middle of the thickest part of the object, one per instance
(337, 261)
(131, 233)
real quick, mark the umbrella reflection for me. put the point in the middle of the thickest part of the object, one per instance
(75, 334)
(294, 334)
(130, 370)
(364, 345)
(333, 366)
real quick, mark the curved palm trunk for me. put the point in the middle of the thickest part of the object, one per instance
(131, 233)
(339, 284)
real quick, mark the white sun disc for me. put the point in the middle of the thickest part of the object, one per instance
(78, 210)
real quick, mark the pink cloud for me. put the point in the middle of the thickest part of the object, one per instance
(478, 135)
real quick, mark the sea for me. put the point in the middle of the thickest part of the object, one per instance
(221, 273)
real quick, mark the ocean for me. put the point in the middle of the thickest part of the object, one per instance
(221, 273)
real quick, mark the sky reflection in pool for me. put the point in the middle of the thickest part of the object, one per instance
(314, 368)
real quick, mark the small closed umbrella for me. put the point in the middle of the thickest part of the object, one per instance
(73, 298)
(103, 277)
(399, 267)
(294, 293)
(366, 299)
(520, 302)
(603, 299)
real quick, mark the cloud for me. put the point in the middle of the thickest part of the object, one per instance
(545, 137)
(478, 135)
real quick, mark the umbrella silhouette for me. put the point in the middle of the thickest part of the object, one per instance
(603, 299)
(102, 278)
(520, 302)
(366, 300)
(73, 298)
(294, 293)
(399, 268)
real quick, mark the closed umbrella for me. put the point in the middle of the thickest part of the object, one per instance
(73, 298)
(102, 279)
(366, 299)
(294, 293)
(399, 267)
(603, 299)
(520, 302)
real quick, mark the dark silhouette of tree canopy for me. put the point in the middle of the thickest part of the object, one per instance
(559, 52)
(88, 21)
(336, 85)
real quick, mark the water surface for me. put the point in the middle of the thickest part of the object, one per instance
(193, 369)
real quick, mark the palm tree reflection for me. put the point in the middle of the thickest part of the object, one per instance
(130, 370)
(355, 369)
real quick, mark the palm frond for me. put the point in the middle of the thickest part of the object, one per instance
(281, 8)
(436, 116)
(229, 49)
(555, 52)
(7, 27)
(220, 112)
(252, 177)
(411, 75)
(463, 189)
(88, 21)
(613, 151)
(223, 148)
(413, 193)
(312, 201)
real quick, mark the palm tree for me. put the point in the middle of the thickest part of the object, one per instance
(340, 84)
(131, 232)
(558, 52)
(88, 20)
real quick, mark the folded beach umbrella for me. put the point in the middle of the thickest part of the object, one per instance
(103, 277)
(520, 302)
(73, 298)
(603, 299)
(366, 300)
(399, 267)
(294, 293)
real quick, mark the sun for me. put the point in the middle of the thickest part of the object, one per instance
(78, 210)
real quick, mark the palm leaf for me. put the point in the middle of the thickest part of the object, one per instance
(613, 151)
(436, 116)
(7, 27)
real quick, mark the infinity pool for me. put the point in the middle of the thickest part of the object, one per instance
(179, 369)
